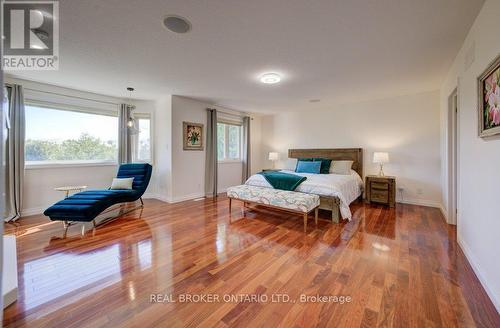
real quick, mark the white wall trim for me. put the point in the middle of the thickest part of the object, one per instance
(149, 195)
(155, 196)
(172, 200)
(63, 91)
(186, 197)
(32, 211)
(420, 202)
(62, 165)
(445, 214)
(478, 271)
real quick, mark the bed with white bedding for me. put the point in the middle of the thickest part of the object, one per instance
(345, 187)
(336, 191)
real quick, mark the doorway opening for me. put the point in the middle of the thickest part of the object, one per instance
(453, 150)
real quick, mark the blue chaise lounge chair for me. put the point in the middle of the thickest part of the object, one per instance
(87, 205)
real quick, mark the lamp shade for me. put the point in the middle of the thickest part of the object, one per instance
(273, 156)
(380, 157)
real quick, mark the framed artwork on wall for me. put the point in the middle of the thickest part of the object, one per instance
(489, 100)
(192, 136)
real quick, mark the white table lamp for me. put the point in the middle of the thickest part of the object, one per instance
(273, 157)
(381, 158)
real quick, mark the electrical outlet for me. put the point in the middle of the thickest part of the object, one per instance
(400, 194)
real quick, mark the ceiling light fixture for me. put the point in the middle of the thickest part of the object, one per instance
(131, 121)
(176, 24)
(270, 78)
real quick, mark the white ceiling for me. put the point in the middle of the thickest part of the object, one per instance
(339, 51)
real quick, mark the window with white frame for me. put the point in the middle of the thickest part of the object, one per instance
(228, 141)
(59, 135)
(141, 147)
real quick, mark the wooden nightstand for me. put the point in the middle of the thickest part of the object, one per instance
(381, 190)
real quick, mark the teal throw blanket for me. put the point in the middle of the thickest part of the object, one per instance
(283, 181)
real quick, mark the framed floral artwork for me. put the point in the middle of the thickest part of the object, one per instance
(192, 136)
(489, 100)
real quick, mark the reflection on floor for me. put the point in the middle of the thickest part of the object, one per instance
(400, 267)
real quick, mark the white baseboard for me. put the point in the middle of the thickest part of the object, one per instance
(478, 271)
(186, 197)
(149, 195)
(173, 200)
(221, 191)
(33, 211)
(445, 214)
(155, 196)
(421, 202)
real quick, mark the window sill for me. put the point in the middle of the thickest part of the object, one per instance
(67, 165)
(230, 161)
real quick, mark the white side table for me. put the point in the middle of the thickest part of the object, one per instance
(68, 189)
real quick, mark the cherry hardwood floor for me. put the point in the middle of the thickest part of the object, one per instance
(390, 267)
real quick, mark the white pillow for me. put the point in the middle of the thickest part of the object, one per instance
(341, 167)
(122, 183)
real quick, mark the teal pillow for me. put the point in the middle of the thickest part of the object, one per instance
(302, 160)
(308, 167)
(325, 163)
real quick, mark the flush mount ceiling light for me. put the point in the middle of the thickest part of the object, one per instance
(270, 78)
(176, 24)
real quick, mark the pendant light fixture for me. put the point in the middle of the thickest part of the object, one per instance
(131, 120)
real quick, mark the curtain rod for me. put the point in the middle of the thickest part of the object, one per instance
(68, 96)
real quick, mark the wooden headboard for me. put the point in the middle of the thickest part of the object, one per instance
(338, 154)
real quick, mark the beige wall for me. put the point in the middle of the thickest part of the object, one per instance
(478, 220)
(229, 174)
(406, 127)
(188, 167)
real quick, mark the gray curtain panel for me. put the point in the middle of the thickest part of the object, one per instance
(124, 138)
(211, 154)
(14, 153)
(245, 158)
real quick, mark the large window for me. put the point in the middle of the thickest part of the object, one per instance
(60, 136)
(142, 139)
(228, 142)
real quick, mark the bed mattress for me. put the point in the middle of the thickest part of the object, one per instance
(345, 187)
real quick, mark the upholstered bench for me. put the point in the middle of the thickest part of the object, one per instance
(292, 201)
